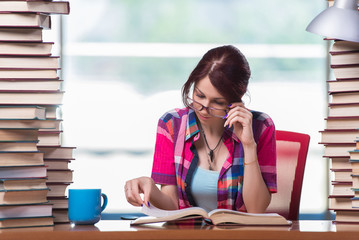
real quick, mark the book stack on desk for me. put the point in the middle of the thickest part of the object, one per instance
(22, 171)
(30, 99)
(354, 161)
(339, 137)
(57, 159)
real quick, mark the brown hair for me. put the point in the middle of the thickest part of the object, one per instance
(227, 69)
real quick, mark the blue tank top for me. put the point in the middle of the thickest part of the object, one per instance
(204, 188)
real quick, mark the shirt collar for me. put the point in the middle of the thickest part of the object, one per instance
(192, 128)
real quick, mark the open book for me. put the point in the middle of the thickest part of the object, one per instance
(216, 217)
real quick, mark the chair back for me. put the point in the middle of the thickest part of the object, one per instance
(292, 150)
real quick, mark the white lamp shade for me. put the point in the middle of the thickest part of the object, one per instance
(341, 21)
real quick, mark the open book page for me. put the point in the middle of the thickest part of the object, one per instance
(224, 216)
(159, 213)
(228, 211)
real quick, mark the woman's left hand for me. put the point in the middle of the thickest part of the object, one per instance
(241, 119)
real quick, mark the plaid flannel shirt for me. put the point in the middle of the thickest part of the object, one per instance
(175, 158)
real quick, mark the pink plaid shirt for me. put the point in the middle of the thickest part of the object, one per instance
(176, 158)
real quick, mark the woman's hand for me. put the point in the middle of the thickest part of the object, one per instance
(241, 119)
(134, 187)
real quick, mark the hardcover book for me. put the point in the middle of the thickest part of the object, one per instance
(347, 216)
(216, 217)
(49, 138)
(27, 123)
(56, 7)
(21, 34)
(23, 172)
(346, 71)
(339, 135)
(26, 73)
(22, 62)
(340, 47)
(26, 48)
(18, 134)
(25, 20)
(22, 112)
(57, 189)
(18, 146)
(57, 152)
(345, 58)
(343, 85)
(59, 202)
(29, 196)
(340, 163)
(12, 159)
(55, 176)
(26, 222)
(28, 210)
(22, 183)
(60, 164)
(30, 85)
(349, 122)
(345, 97)
(338, 150)
(340, 203)
(31, 97)
(344, 110)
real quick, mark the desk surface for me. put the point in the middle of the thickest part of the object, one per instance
(112, 229)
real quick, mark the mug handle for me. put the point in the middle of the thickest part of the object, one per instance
(104, 204)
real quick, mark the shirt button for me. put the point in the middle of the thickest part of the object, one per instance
(185, 184)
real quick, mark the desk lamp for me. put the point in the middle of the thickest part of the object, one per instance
(341, 21)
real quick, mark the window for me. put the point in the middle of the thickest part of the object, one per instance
(125, 62)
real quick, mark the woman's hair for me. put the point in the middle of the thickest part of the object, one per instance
(227, 69)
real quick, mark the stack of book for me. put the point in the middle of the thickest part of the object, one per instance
(354, 160)
(57, 159)
(341, 133)
(23, 187)
(30, 96)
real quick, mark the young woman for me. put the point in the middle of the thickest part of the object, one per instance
(214, 153)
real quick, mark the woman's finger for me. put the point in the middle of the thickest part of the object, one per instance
(238, 109)
(146, 195)
(136, 189)
(237, 119)
(132, 192)
(236, 104)
(244, 114)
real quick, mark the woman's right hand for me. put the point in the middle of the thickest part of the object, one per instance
(134, 187)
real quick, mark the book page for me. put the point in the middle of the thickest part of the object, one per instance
(241, 213)
(156, 212)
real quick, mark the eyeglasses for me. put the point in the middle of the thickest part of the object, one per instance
(215, 112)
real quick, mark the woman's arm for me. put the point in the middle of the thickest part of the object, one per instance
(256, 195)
(163, 171)
(166, 198)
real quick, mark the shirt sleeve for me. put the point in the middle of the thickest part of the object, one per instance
(267, 156)
(163, 169)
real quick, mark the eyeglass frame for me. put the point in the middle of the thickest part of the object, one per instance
(206, 108)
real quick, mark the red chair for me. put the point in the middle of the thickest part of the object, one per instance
(292, 149)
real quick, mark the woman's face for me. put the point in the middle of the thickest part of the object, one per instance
(207, 95)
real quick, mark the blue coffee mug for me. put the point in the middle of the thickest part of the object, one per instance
(85, 205)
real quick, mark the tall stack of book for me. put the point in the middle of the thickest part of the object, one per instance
(30, 96)
(342, 130)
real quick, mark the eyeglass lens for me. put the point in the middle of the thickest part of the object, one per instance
(212, 111)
